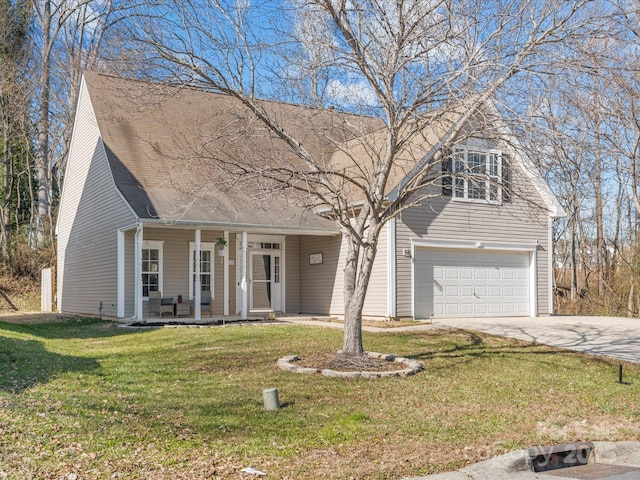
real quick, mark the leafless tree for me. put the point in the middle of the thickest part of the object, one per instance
(14, 52)
(414, 65)
(68, 38)
(590, 110)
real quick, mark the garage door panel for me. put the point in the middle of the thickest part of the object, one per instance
(466, 290)
(508, 308)
(451, 273)
(470, 283)
(466, 273)
(522, 309)
(466, 309)
(451, 309)
(494, 308)
(494, 291)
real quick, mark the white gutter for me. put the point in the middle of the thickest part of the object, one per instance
(240, 227)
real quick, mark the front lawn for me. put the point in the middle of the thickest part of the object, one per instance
(86, 400)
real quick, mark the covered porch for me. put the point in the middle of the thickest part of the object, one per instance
(241, 274)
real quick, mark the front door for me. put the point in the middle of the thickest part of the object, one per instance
(265, 292)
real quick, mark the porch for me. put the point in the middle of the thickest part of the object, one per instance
(246, 274)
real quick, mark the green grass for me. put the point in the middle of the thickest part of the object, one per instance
(90, 399)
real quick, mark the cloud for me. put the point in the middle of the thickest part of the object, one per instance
(351, 94)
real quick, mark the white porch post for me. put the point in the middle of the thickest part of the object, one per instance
(225, 305)
(244, 284)
(197, 283)
(120, 276)
(138, 312)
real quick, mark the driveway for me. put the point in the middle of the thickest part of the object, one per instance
(613, 337)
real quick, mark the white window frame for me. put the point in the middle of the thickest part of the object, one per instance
(204, 246)
(153, 245)
(490, 180)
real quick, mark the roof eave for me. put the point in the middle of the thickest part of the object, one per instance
(239, 227)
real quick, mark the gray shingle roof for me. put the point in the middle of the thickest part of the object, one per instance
(176, 152)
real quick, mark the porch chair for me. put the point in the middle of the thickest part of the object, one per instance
(159, 304)
(205, 302)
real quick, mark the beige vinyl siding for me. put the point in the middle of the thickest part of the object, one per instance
(445, 219)
(175, 271)
(322, 285)
(317, 281)
(90, 215)
(375, 304)
(292, 275)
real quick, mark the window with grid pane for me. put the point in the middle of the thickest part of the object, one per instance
(206, 268)
(151, 267)
(477, 176)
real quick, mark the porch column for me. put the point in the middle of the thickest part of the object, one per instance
(138, 311)
(244, 284)
(120, 276)
(197, 284)
(225, 305)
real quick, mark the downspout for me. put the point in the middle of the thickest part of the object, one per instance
(225, 285)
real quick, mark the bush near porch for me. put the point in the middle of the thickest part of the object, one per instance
(84, 399)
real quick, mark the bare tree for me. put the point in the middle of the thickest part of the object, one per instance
(417, 66)
(14, 52)
(68, 38)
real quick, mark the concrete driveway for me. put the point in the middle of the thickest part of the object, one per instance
(613, 337)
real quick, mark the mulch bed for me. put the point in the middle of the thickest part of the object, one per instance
(347, 363)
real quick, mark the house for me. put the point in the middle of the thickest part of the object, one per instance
(141, 201)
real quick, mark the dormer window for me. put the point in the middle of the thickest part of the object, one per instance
(476, 176)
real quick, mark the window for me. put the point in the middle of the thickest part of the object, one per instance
(276, 269)
(151, 267)
(476, 176)
(265, 245)
(206, 268)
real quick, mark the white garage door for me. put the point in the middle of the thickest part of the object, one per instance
(468, 283)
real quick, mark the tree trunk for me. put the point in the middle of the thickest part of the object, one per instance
(43, 228)
(601, 247)
(5, 214)
(574, 258)
(357, 272)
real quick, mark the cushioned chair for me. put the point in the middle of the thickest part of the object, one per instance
(205, 302)
(159, 304)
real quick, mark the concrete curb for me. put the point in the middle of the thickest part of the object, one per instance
(517, 464)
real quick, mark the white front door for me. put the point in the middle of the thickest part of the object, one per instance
(265, 293)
